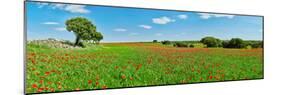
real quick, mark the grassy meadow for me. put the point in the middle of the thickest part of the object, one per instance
(115, 65)
(73, 47)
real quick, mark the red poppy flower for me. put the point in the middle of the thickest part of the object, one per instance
(97, 83)
(40, 89)
(90, 81)
(52, 89)
(47, 73)
(41, 81)
(34, 86)
(123, 77)
(104, 87)
(46, 88)
(33, 61)
(53, 70)
(210, 77)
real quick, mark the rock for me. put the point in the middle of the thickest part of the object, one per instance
(53, 43)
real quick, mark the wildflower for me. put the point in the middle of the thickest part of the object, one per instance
(116, 67)
(40, 89)
(97, 83)
(47, 73)
(90, 81)
(123, 77)
(46, 88)
(41, 81)
(34, 86)
(210, 77)
(104, 87)
(52, 89)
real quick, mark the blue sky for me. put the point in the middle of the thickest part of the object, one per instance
(47, 20)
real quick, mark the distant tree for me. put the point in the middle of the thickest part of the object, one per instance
(236, 43)
(154, 41)
(166, 42)
(211, 41)
(257, 44)
(225, 44)
(261, 44)
(219, 42)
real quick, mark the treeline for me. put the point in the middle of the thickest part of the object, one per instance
(212, 42)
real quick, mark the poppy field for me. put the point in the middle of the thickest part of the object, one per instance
(118, 65)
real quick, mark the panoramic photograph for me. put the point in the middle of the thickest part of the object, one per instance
(72, 47)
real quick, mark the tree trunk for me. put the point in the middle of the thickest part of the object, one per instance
(77, 41)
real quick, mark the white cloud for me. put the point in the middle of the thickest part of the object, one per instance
(41, 5)
(158, 34)
(76, 9)
(58, 6)
(120, 30)
(182, 16)
(204, 15)
(162, 20)
(66, 7)
(145, 26)
(207, 15)
(133, 34)
(51, 23)
(60, 29)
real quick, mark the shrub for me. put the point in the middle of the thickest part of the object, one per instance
(198, 45)
(154, 41)
(180, 44)
(248, 47)
(192, 46)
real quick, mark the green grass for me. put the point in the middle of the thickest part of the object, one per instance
(135, 64)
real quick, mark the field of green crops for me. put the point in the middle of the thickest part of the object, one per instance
(115, 65)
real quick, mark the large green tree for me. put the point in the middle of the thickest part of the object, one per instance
(83, 29)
